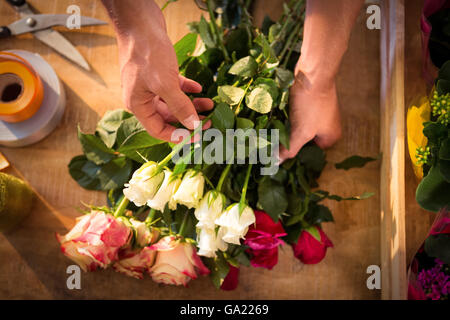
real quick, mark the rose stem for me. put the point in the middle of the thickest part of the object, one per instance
(244, 189)
(122, 206)
(223, 176)
(150, 216)
(183, 224)
(217, 31)
(178, 147)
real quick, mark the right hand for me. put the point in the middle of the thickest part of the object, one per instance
(152, 87)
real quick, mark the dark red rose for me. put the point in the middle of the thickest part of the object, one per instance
(263, 238)
(441, 224)
(231, 280)
(309, 249)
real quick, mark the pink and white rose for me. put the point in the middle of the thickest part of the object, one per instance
(95, 240)
(176, 262)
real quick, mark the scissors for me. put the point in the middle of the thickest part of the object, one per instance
(40, 25)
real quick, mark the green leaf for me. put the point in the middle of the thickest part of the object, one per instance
(444, 166)
(283, 132)
(444, 151)
(313, 157)
(443, 86)
(154, 153)
(437, 246)
(185, 47)
(219, 268)
(284, 78)
(272, 197)
(212, 58)
(196, 71)
(444, 71)
(94, 148)
(268, 53)
(314, 232)
(205, 33)
(259, 100)
(245, 67)
(354, 162)
(432, 193)
(365, 195)
(223, 117)
(108, 125)
(269, 85)
(90, 176)
(318, 213)
(244, 123)
(230, 95)
(434, 131)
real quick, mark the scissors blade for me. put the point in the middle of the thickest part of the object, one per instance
(56, 41)
(36, 22)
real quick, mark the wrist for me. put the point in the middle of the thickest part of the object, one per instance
(315, 79)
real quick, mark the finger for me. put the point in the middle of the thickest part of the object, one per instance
(154, 123)
(203, 104)
(207, 124)
(188, 85)
(180, 106)
(296, 142)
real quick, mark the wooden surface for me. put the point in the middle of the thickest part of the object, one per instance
(392, 191)
(31, 265)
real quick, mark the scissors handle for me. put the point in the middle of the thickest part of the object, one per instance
(16, 3)
(5, 32)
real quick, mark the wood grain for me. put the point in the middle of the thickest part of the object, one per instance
(31, 265)
(392, 192)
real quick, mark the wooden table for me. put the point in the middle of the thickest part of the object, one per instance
(31, 265)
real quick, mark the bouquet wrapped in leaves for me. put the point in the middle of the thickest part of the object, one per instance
(207, 207)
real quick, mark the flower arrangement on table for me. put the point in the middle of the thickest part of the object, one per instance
(176, 219)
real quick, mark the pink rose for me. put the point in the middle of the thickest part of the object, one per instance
(231, 281)
(134, 262)
(176, 262)
(263, 238)
(309, 249)
(95, 240)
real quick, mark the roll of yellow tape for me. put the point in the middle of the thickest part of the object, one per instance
(21, 89)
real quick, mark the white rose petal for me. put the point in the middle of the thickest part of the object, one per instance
(234, 226)
(209, 209)
(208, 242)
(165, 192)
(190, 190)
(144, 184)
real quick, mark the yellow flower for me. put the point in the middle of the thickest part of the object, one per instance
(414, 123)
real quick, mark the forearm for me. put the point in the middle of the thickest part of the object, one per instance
(136, 18)
(327, 31)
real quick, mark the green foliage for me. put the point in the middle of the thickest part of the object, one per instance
(354, 162)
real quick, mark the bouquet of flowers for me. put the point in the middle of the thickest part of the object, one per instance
(219, 199)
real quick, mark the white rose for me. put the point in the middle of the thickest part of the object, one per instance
(144, 184)
(233, 225)
(165, 192)
(209, 209)
(208, 242)
(190, 190)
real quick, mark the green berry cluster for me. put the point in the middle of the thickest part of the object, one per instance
(422, 155)
(440, 105)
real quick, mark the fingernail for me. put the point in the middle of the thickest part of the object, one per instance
(192, 122)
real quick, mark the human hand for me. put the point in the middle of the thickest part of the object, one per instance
(314, 114)
(152, 87)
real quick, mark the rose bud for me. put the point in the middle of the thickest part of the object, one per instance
(263, 239)
(134, 263)
(309, 249)
(95, 240)
(168, 187)
(190, 190)
(235, 225)
(143, 235)
(208, 242)
(209, 209)
(144, 184)
(231, 281)
(176, 262)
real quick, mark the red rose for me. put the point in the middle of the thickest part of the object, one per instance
(441, 224)
(231, 280)
(263, 238)
(308, 248)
